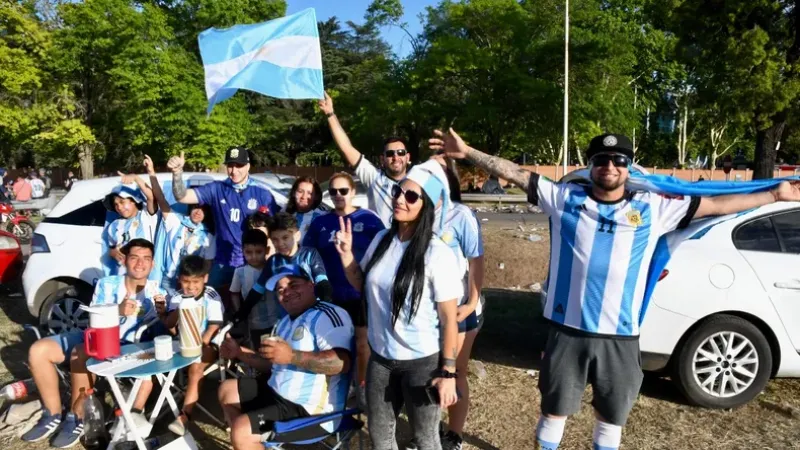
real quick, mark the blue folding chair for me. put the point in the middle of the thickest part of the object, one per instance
(349, 426)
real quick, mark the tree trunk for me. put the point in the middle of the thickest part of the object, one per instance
(86, 161)
(766, 150)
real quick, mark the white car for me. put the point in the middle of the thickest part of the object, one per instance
(725, 317)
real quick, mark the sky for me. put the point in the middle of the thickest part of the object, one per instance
(354, 10)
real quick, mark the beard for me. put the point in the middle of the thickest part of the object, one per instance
(606, 184)
(394, 173)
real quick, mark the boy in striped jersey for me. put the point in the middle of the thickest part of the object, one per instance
(603, 237)
(193, 276)
(308, 357)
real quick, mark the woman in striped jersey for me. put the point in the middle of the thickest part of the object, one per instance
(304, 202)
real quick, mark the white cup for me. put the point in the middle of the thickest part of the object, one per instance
(163, 346)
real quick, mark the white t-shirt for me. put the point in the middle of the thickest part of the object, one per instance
(243, 280)
(443, 282)
(37, 188)
(379, 189)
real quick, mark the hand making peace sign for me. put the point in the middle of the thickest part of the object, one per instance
(344, 237)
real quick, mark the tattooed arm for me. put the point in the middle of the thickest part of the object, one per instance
(183, 195)
(328, 362)
(454, 147)
(448, 310)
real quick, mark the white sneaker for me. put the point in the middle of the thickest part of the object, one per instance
(178, 426)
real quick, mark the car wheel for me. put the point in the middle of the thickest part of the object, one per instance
(61, 314)
(724, 363)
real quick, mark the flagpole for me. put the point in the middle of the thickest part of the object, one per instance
(566, 85)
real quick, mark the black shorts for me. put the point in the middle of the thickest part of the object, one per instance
(264, 407)
(613, 367)
(355, 308)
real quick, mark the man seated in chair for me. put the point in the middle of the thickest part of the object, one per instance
(138, 299)
(308, 359)
(192, 277)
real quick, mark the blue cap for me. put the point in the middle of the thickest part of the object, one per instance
(287, 271)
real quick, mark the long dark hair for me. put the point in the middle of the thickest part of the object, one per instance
(291, 204)
(411, 272)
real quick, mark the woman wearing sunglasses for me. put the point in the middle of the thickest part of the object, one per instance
(411, 283)
(322, 236)
(304, 200)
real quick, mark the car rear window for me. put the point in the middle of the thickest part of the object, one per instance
(758, 236)
(788, 227)
(92, 214)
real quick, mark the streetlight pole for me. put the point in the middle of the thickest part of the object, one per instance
(566, 85)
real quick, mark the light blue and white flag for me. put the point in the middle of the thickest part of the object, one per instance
(668, 244)
(279, 58)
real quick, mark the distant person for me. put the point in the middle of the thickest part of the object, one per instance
(22, 190)
(394, 165)
(3, 173)
(38, 187)
(70, 181)
(702, 178)
(48, 182)
(492, 186)
(304, 202)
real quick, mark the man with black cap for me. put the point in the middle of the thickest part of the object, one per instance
(603, 237)
(232, 202)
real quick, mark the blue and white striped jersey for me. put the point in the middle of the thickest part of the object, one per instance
(600, 252)
(111, 290)
(304, 220)
(462, 233)
(121, 231)
(322, 327)
(443, 281)
(211, 301)
(184, 238)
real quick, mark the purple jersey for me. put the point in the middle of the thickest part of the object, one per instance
(322, 234)
(231, 209)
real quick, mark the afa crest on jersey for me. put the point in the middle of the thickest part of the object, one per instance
(252, 204)
(359, 227)
(299, 332)
(634, 218)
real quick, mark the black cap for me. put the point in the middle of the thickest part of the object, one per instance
(610, 143)
(236, 155)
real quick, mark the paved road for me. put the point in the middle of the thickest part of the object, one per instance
(512, 218)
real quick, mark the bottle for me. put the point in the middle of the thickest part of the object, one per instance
(95, 436)
(77, 407)
(18, 390)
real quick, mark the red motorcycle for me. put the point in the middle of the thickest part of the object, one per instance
(14, 222)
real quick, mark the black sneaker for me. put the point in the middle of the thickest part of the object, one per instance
(452, 441)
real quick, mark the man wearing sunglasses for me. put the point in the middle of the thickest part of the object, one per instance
(602, 241)
(394, 162)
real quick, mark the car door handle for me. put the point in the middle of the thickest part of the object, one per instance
(794, 284)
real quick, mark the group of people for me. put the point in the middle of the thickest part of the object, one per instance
(23, 189)
(383, 303)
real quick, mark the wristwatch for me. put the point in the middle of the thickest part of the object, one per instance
(446, 374)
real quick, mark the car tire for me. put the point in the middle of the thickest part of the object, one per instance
(60, 313)
(723, 363)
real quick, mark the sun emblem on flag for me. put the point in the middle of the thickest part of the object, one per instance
(610, 141)
(252, 204)
(634, 218)
(447, 237)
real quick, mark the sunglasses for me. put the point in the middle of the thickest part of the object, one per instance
(603, 159)
(341, 191)
(392, 153)
(411, 196)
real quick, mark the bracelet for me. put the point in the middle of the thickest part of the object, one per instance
(446, 374)
(330, 114)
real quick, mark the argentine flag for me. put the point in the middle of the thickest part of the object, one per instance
(280, 58)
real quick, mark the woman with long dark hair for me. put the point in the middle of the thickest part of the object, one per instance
(304, 201)
(410, 281)
(461, 231)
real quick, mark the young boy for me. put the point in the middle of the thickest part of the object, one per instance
(254, 249)
(136, 207)
(260, 220)
(193, 276)
(285, 235)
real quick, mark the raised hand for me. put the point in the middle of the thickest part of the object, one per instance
(344, 237)
(450, 142)
(126, 178)
(175, 163)
(326, 105)
(148, 165)
(788, 191)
